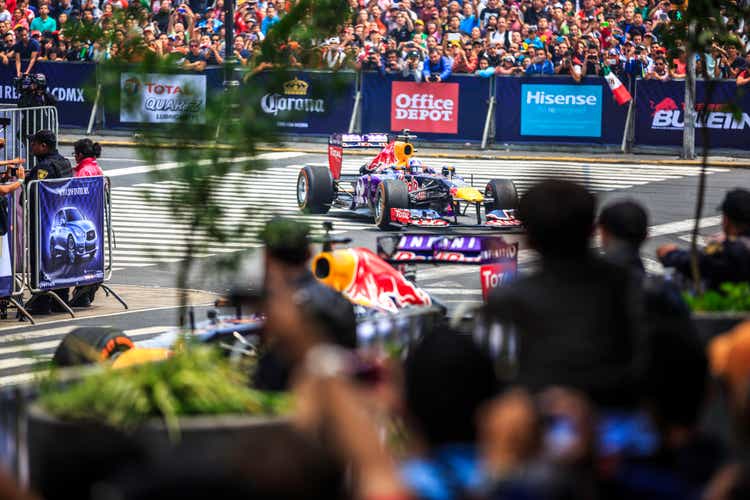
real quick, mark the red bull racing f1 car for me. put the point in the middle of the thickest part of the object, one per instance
(399, 190)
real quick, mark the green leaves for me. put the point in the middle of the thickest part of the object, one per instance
(733, 297)
(196, 380)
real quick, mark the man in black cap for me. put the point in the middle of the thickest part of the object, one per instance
(722, 261)
(300, 310)
(49, 163)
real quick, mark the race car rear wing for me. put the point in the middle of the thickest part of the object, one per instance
(338, 142)
(497, 258)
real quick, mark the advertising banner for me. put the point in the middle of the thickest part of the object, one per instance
(155, 98)
(70, 233)
(557, 110)
(660, 114)
(6, 257)
(307, 102)
(454, 110)
(561, 110)
(65, 81)
(425, 107)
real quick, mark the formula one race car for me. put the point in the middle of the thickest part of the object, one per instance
(398, 190)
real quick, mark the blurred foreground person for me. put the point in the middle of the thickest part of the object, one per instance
(623, 228)
(578, 320)
(290, 285)
(722, 261)
(446, 381)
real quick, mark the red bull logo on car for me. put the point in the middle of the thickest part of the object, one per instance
(668, 115)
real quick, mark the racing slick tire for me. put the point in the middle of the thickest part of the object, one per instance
(90, 345)
(391, 194)
(314, 189)
(499, 194)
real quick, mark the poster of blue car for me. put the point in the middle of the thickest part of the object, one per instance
(71, 230)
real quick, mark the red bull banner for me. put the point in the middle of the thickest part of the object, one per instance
(660, 114)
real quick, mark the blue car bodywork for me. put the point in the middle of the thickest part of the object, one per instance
(72, 236)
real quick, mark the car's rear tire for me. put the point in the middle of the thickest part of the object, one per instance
(90, 345)
(390, 194)
(314, 189)
(499, 194)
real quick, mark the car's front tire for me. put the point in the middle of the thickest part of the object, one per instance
(500, 194)
(70, 250)
(314, 189)
(390, 194)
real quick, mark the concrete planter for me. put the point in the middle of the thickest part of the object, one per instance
(711, 324)
(67, 458)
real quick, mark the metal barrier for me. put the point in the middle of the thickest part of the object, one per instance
(18, 123)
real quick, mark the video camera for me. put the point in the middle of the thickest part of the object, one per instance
(23, 84)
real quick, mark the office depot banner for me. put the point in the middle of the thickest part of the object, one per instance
(660, 114)
(155, 98)
(425, 107)
(453, 111)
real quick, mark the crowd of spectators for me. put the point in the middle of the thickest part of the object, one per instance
(420, 39)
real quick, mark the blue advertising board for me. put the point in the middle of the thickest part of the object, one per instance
(306, 102)
(66, 81)
(557, 110)
(561, 110)
(452, 111)
(6, 253)
(70, 232)
(660, 115)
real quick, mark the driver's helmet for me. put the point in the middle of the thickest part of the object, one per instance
(415, 166)
(40, 80)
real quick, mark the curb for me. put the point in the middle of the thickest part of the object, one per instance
(744, 164)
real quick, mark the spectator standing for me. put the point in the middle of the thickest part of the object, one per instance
(195, 58)
(660, 71)
(541, 65)
(412, 68)
(437, 68)
(270, 19)
(25, 49)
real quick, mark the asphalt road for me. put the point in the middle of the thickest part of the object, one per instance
(150, 243)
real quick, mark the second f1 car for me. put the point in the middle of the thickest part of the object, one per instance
(399, 190)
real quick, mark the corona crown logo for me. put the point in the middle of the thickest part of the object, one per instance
(295, 87)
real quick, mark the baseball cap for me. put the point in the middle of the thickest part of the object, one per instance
(36, 33)
(20, 27)
(557, 5)
(44, 137)
(508, 58)
(419, 21)
(613, 52)
(736, 205)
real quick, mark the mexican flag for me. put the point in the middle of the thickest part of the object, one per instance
(619, 91)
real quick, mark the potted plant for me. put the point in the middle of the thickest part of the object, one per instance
(86, 430)
(716, 312)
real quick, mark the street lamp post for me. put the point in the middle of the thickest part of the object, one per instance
(229, 60)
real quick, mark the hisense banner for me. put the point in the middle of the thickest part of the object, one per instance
(155, 98)
(70, 233)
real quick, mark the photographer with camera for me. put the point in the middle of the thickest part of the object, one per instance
(412, 68)
(437, 68)
(25, 49)
(637, 63)
(33, 91)
(593, 65)
(570, 65)
(12, 176)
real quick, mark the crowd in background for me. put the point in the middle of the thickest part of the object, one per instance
(420, 39)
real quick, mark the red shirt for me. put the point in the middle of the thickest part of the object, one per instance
(88, 167)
